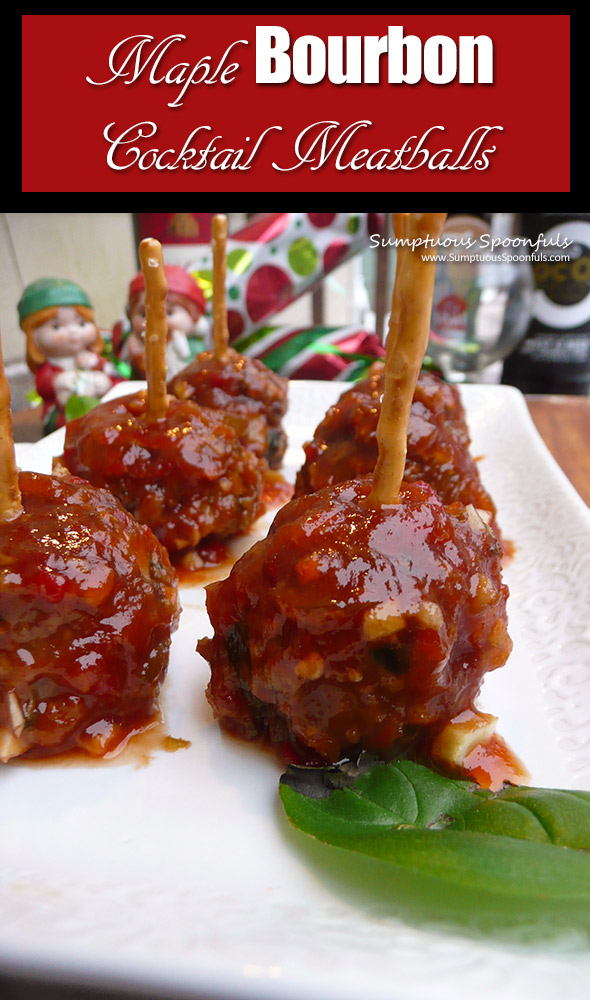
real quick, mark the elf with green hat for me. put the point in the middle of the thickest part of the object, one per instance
(63, 349)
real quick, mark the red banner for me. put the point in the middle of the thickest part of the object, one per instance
(136, 102)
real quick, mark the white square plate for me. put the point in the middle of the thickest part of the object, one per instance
(182, 875)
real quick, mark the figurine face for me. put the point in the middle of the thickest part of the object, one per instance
(65, 335)
(180, 317)
(137, 315)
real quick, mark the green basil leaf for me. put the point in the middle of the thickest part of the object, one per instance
(547, 815)
(522, 843)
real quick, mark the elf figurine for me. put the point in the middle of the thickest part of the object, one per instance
(63, 349)
(185, 309)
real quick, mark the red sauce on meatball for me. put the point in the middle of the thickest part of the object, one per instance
(344, 445)
(356, 627)
(185, 475)
(88, 603)
(252, 398)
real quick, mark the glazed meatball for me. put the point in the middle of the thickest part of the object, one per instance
(185, 475)
(352, 627)
(88, 603)
(344, 444)
(252, 398)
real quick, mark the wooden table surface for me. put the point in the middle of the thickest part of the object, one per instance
(564, 424)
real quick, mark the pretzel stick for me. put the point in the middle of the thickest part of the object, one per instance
(220, 327)
(10, 497)
(409, 330)
(156, 327)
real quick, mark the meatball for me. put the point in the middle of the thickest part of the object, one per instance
(344, 444)
(185, 475)
(252, 398)
(88, 603)
(354, 627)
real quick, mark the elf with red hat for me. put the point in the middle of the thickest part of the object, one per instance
(185, 308)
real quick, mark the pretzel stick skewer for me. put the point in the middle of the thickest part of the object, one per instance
(409, 330)
(220, 327)
(156, 327)
(10, 497)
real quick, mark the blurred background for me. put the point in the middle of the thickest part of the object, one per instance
(99, 252)
(319, 285)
